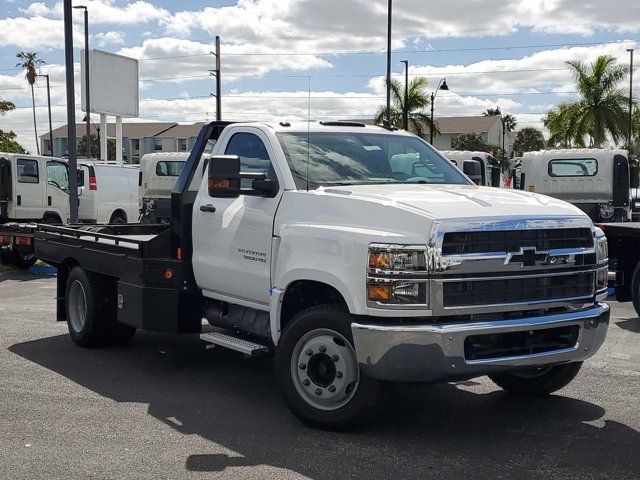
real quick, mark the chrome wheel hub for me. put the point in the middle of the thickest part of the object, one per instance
(77, 306)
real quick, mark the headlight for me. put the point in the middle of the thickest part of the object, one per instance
(606, 210)
(602, 258)
(391, 275)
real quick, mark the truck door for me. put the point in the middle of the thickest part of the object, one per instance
(232, 245)
(58, 189)
(30, 189)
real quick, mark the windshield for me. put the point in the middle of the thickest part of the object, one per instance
(347, 158)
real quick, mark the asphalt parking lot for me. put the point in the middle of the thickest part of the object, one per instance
(164, 407)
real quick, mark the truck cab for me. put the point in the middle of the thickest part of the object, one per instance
(159, 173)
(33, 189)
(489, 165)
(357, 255)
(597, 181)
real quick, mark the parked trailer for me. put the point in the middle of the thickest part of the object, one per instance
(385, 263)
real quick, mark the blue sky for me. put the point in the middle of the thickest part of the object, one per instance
(493, 53)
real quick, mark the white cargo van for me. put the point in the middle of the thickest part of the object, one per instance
(110, 194)
(158, 175)
(597, 181)
(489, 165)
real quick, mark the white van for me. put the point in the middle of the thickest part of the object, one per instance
(159, 173)
(597, 181)
(34, 188)
(110, 194)
(490, 167)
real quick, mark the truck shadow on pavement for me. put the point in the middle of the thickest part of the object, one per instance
(18, 275)
(446, 431)
(630, 324)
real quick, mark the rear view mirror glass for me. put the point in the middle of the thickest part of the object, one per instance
(224, 176)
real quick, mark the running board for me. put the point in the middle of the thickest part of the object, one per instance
(234, 343)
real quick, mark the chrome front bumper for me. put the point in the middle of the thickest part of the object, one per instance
(427, 353)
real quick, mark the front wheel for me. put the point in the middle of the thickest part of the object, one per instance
(537, 381)
(318, 373)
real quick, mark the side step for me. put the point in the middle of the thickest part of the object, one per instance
(234, 343)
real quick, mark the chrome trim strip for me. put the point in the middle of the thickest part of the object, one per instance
(515, 277)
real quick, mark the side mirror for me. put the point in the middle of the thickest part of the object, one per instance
(224, 176)
(634, 171)
(473, 170)
(495, 176)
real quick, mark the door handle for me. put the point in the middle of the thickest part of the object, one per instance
(49, 200)
(207, 208)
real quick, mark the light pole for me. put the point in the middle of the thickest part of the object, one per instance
(405, 109)
(86, 76)
(442, 85)
(630, 50)
(389, 9)
(49, 107)
(71, 112)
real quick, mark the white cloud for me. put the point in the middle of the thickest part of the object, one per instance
(37, 8)
(103, 39)
(34, 33)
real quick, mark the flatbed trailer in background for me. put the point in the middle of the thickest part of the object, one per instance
(624, 260)
(16, 244)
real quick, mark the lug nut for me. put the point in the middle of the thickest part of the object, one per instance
(302, 366)
(332, 388)
(318, 391)
(339, 374)
(335, 358)
(322, 348)
(309, 352)
(306, 382)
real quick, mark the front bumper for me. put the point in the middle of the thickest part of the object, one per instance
(435, 352)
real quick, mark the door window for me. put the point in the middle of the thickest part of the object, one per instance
(58, 175)
(253, 155)
(27, 171)
(169, 168)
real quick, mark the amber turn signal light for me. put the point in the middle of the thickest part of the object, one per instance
(379, 293)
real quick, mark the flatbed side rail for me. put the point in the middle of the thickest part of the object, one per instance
(91, 236)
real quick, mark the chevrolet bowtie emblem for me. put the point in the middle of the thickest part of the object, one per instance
(528, 257)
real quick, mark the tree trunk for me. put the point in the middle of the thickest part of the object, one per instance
(35, 127)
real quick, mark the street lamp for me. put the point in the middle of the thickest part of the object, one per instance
(389, 8)
(442, 85)
(630, 50)
(405, 109)
(86, 75)
(49, 106)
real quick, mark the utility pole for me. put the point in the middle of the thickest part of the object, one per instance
(216, 73)
(405, 109)
(71, 113)
(389, 10)
(630, 50)
(86, 78)
(49, 107)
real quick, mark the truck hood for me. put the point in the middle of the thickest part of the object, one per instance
(460, 201)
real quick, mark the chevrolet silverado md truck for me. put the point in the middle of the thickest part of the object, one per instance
(358, 256)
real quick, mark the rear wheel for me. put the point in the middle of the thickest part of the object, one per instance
(635, 289)
(117, 219)
(537, 381)
(52, 220)
(318, 373)
(90, 309)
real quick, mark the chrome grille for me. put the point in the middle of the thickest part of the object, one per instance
(523, 289)
(457, 243)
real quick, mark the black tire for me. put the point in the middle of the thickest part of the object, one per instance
(52, 220)
(91, 309)
(537, 383)
(635, 289)
(24, 262)
(363, 402)
(116, 219)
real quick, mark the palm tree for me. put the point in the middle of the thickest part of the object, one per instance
(6, 106)
(509, 121)
(529, 139)
(601, 109)
(30, 62)
(417, 102)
